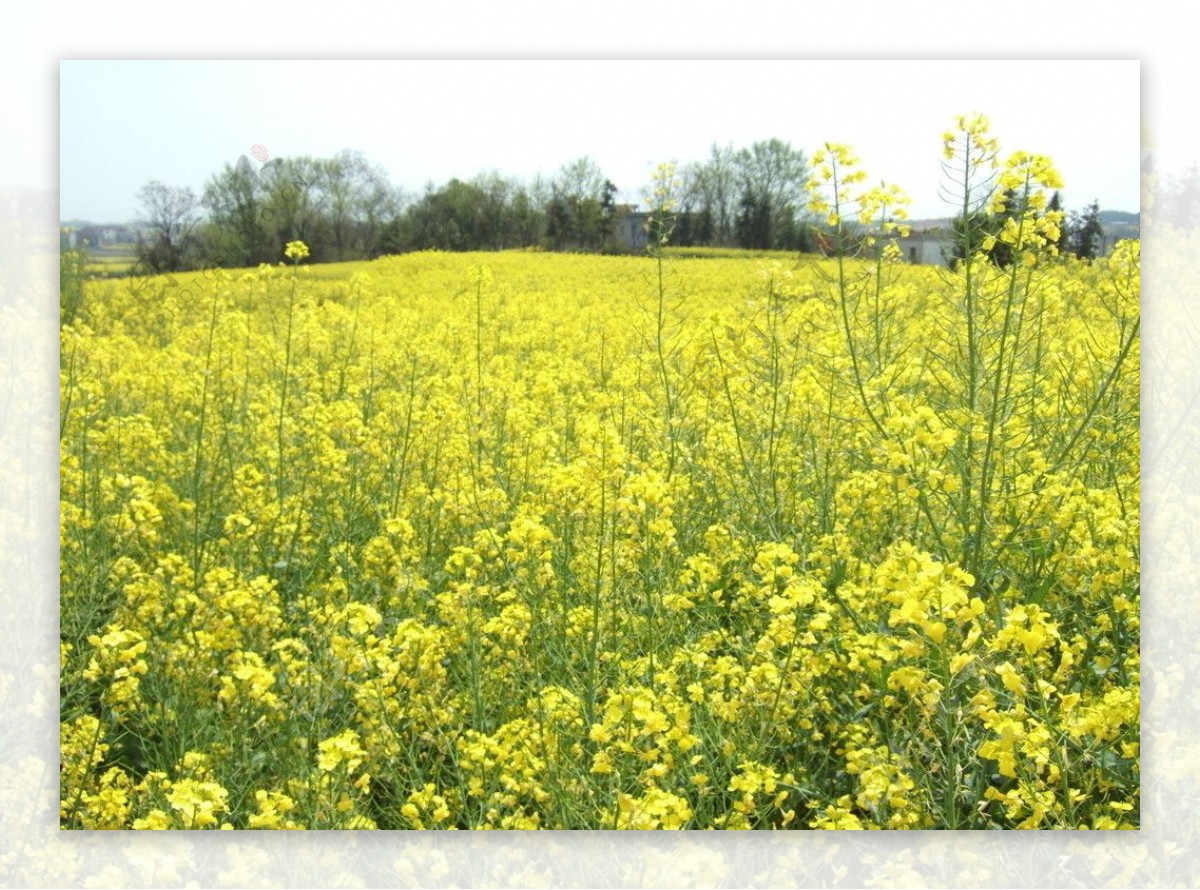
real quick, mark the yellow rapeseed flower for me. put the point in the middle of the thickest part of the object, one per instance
(339, 749)
(296, 250)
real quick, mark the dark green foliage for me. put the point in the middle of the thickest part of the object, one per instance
(1055, 206)
(967, 234)
(754, 222)
(1086, 235)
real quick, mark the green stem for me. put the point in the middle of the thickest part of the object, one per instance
(283, 390)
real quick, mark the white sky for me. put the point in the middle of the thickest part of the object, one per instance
(123, 124)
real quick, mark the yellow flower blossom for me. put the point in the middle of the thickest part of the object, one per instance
(296, 250)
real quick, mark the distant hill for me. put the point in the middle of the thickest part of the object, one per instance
(92, 224)
(921, 225)
(1119, 216)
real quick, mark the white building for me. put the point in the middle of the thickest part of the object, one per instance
(926, 247)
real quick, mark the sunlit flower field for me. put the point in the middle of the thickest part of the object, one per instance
(529, 540)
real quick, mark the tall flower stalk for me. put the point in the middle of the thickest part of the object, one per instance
(294, 251)
(660, 226)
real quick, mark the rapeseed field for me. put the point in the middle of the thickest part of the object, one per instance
(541, 541)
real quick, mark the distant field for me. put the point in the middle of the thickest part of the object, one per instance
(111, 261)
(108, 267)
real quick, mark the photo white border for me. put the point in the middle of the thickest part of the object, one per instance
(34, 853)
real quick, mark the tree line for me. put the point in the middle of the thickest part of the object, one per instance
(340, 206)
(345, 208)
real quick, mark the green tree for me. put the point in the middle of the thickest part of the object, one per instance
(234, 200)
(446, 218)
(581, 209)
(296, 208)
(170, 215)
(356, 199)
(772, 176)
(1055, 206)
(717, 184)
(1087, 235)
(494, 228)
(753, 228)
(528, 213)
